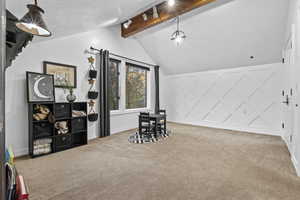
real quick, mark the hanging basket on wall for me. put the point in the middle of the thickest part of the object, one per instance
(93, 74)
(92, 116)
(92, 69)
(92, 93)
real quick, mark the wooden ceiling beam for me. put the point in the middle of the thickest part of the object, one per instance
(165, 13)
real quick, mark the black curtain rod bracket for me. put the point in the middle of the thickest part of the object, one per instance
(123, 57)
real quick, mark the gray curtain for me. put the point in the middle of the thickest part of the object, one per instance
(104, 94)
(156, 72)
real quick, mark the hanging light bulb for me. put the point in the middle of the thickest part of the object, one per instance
(171, 3)
(155, 13)
(178, 36)
(32, 22)
(145, 17)
(127, 24)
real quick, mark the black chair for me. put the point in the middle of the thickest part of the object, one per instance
(145, 125)
(162, 125)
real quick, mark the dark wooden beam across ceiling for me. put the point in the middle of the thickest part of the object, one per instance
(165, 13)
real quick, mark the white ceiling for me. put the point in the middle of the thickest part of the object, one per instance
(65, 17)
(219, 35)
(222, 37)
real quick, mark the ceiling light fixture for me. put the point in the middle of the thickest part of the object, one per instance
(32, 22)
(171, 3)
(178, 36)
(155, 13)
(127, 24)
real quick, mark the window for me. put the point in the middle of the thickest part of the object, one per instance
(136, 86)
(114, 83)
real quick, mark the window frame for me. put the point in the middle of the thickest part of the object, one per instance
(122, 91)
(118, 62)
(148, 86)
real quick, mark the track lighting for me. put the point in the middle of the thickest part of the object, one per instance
(145, 17)
(178, 36)
(127, 24)
(155, 12)
(171, 3)
(32, 22)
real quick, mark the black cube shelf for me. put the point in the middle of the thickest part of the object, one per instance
(44, 130)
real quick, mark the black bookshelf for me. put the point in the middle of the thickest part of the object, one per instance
(44, 130)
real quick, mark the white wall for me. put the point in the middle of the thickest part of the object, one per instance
(246, 99)
(294, 70)
(68, 50)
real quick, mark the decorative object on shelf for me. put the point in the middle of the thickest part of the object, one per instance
(40, 87)
(92, 93)
(78, 113)
(42, 146)
(62, 74)
(41, 112)
(93, 71)
(71, 97)
(62, 127)
(32, 22)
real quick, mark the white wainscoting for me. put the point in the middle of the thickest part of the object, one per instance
(244, 99)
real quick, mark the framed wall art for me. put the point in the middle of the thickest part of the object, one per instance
(64, 75)
(40, 87)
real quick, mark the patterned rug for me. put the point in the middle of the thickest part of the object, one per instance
(140, 139)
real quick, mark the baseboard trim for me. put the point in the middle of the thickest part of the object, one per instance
(232, 128)
(296, 165)
(24, 152)
(21, 152)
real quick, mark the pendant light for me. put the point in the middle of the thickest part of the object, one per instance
(171, 3)
(178, 36)
(32, 22)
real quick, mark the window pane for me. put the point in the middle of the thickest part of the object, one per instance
(136, 87)
(114, 82)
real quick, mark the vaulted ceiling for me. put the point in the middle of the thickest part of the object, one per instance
(222, 35)
(225, 36)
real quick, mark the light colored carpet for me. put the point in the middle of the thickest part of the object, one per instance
(194, 163)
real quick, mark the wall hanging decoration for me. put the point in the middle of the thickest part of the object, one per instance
(92, 70)
(40, 87)
(92, 93)
(92, 116)
(63, 74)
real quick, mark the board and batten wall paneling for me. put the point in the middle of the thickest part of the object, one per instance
(244, 99)
(294, 69)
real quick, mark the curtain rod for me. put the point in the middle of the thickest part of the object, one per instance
(116, 55)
